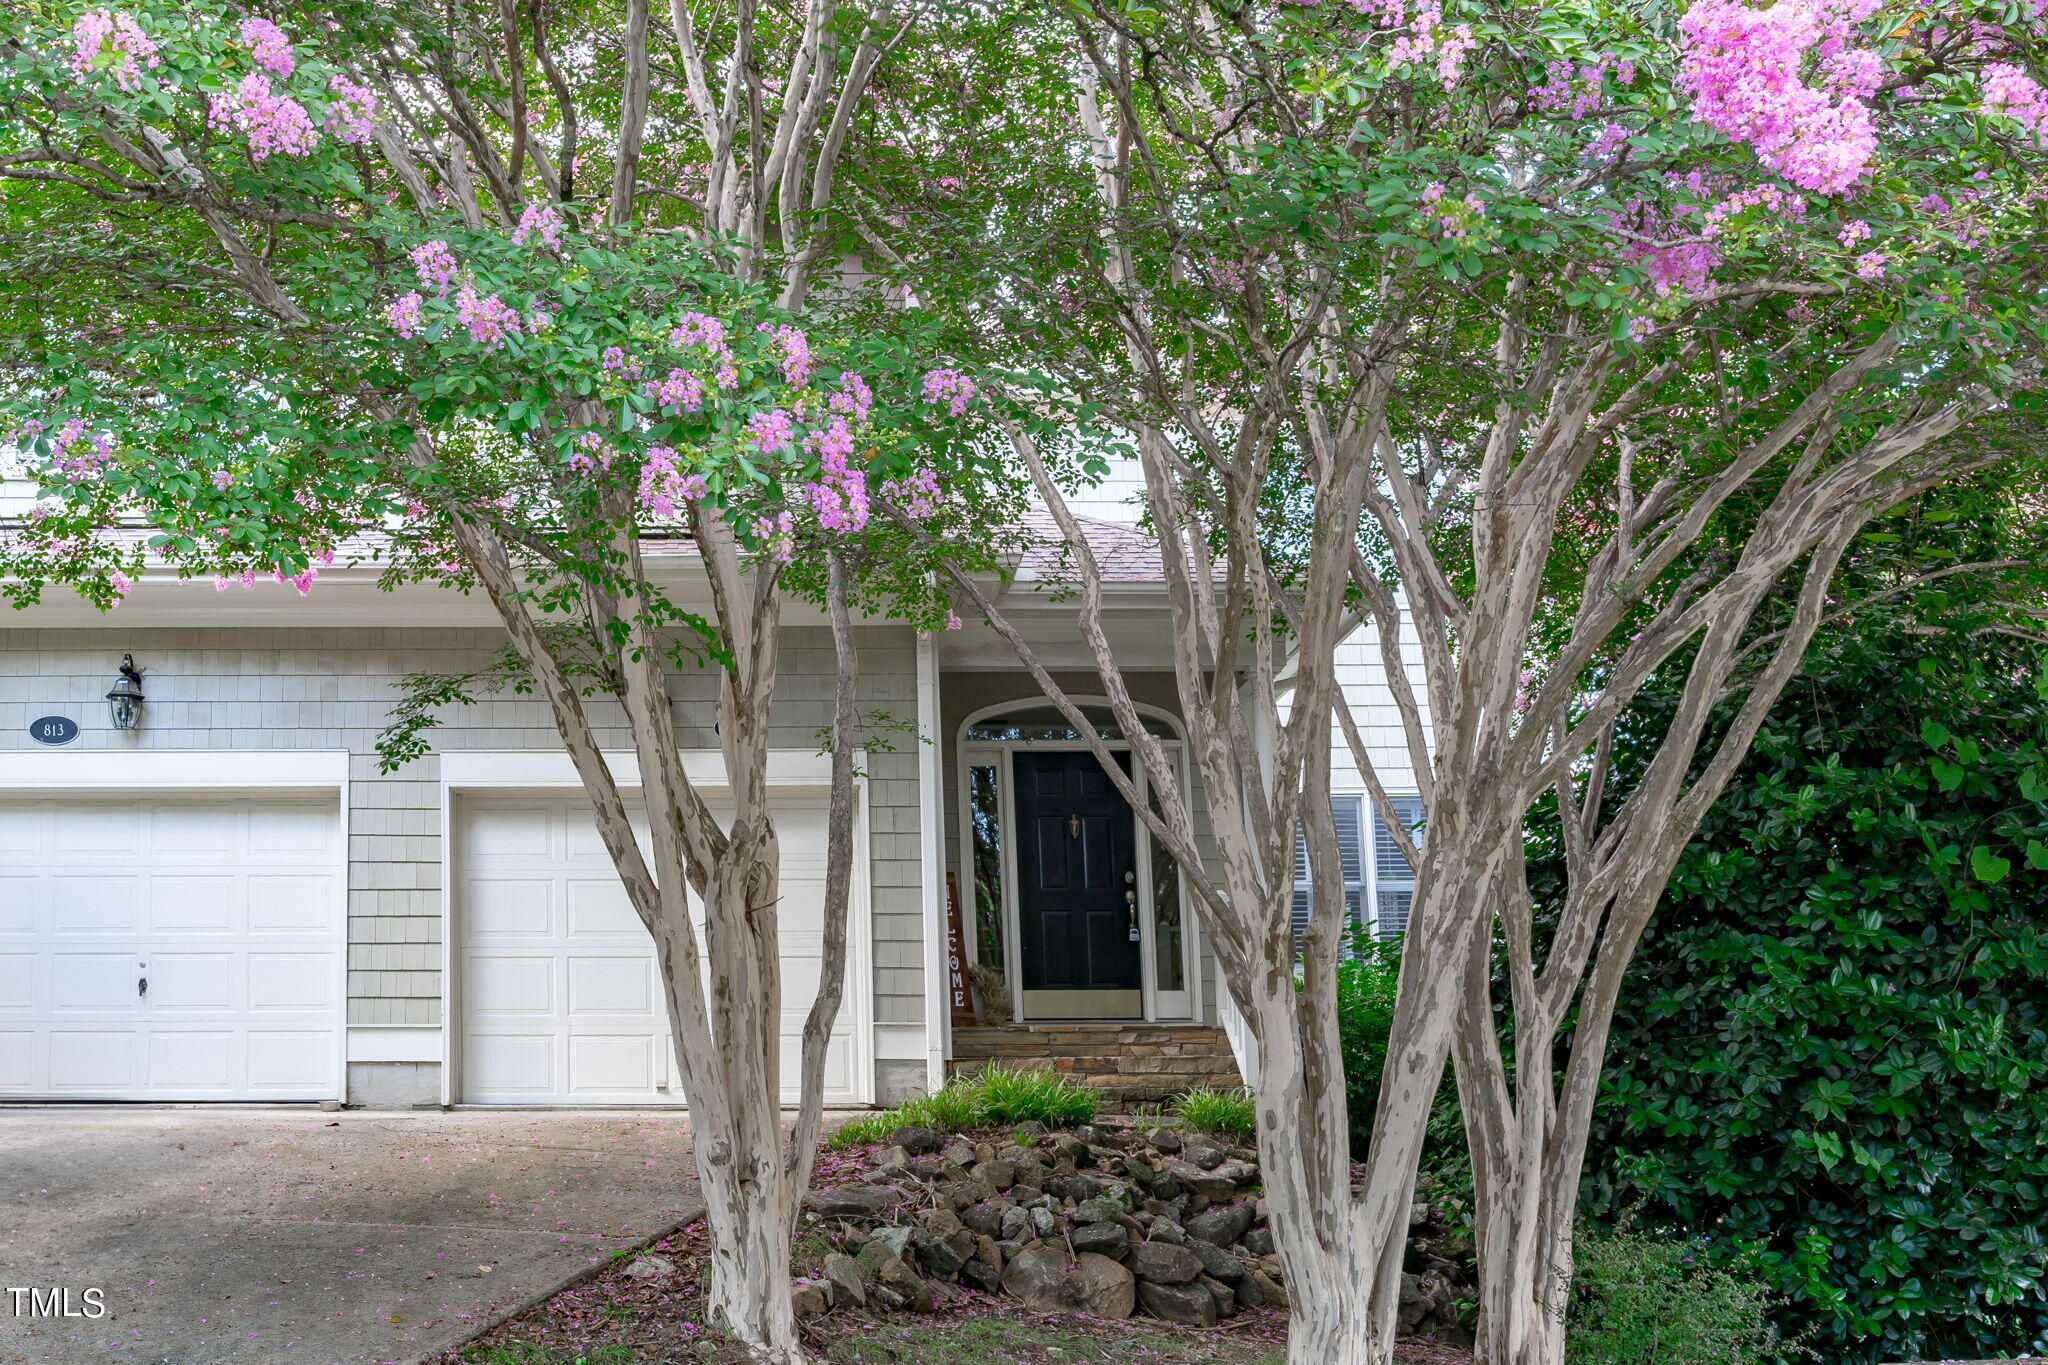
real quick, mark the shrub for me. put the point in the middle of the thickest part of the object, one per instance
(1365, 1015)
(1228, 1113)
(1639, 1301)
(999, 1095)
(1834, 1043)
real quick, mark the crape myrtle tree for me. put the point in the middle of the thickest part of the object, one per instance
(1475, 316)
(288, 287)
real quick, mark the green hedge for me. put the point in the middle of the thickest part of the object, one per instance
(1833, 1053)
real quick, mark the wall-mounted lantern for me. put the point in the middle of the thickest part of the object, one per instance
(124, 703)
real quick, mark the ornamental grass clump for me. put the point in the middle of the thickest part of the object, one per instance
(1228, 1113)
(999, 1095)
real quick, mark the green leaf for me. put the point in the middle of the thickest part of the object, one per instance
(1934, 732)
(1988, 866)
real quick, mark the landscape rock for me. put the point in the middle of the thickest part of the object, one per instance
(808, 1301)
(1223, 1294)
(983, 1218)
(1098, 1210)
(939, 1256)
(1161, 1263)
(1187, 1304)
(650, 1268)
(1195, 1178)
(1094, 1284)
(1216, 1261)
(941, 1222)
(853, 1201)
(1000, 1175)
(848, 1278)
(1270, 1288)
(1259, 1241)
(959, 1153)
(1166, 1230)
(1203, 1155)
(1105, 1239)
(1164, 1139)
(916, 1294)
(1075, 1187)
(917, 1141)
(1222, 1226)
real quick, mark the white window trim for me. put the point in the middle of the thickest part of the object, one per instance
(1368, 884)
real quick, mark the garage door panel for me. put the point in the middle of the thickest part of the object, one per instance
(501, 907)
(600, 909)
(192, 905)
(192, 1061)
(189, 983)
(18, 898)
(503, 984)
(291, 830)
(95, 1060)
(17, 982)
(282, 904)
(82, 904)
(230, 906)
(97, 983)
(519, 1065)
(108, 829)
(611, 985)
(603, 1036)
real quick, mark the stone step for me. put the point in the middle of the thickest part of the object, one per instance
(1143, 1063)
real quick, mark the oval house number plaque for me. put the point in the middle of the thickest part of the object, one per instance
(53, 730)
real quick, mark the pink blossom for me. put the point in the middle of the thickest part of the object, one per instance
(272, 123)
(102, 32)
(222, 479)
(916, 493)
(952, 620)
(955, 388)
(854, 398)
(1742, 67)
(121, 583)
(695, 329)
(2011, 92)
(591, 453)
(663, 482)
(435, 266)
(771, 432)
(268, 45)
(405, 315)
(1870, 265)
(1853, 231)
(490, 319)
(795, 350)
(615, 359)
(680, 390)
(352, 113)
(542, 219)
(777, 536)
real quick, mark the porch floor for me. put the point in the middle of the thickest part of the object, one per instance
(1129, 1062)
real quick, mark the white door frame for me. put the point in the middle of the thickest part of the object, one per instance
(156, 772)
(984, 753)
(551, 772)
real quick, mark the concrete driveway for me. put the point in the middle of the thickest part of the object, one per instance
(260, 1235)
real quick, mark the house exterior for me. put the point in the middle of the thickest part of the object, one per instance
(230, 901)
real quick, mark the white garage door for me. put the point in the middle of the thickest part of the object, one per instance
(177, 948)
(561, 1001)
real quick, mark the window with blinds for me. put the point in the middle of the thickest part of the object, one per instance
(1382, 881)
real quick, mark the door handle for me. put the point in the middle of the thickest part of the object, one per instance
(142, 985)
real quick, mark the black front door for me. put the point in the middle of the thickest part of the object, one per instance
(1077, 888)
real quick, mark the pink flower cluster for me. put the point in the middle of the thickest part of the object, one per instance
(953, 388)
(1455, 219)
(1777, 204)
(268, 45)
(1427, 39)
(2009, 91)
(352, 113)
(917, 493)
(591, 453)
(1743, 68)
(101, 31)
(663, 482)
(491, 321)
(697, 329)
(795, 350)
(840, 494)
(404, 316)
(616, 359)
(67, 456)
(854, 398)
(680, 390)
(1580, 88)
(542, 220)
(777, 535)
(272, 123)
(771, 432)
(435, 266)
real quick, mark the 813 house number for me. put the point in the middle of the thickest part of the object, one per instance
(58, 1303)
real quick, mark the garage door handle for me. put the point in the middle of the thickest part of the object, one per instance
(142, 985)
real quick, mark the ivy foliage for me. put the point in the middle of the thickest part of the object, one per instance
(1833, 1053)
